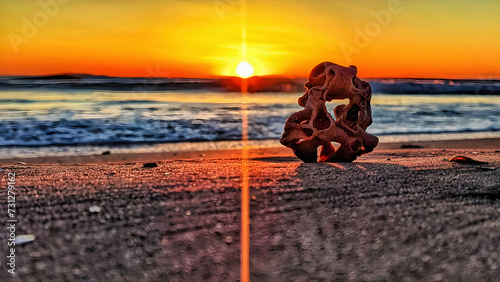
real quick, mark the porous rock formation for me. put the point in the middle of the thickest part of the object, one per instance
(311, 131)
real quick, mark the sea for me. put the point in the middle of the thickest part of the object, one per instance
(55, 121)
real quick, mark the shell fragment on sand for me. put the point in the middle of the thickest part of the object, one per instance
(465, 160)
(24, 239)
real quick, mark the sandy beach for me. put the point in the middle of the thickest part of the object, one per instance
(158, 141)
(394, 214)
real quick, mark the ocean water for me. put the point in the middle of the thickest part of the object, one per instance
(43, 122)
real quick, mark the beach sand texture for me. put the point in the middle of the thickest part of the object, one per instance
(390, 215)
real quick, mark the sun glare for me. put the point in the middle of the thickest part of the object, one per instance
(244, 70)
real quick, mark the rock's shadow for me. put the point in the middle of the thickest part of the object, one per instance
(374, 221)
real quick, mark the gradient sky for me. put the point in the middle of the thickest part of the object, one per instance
(203, 38)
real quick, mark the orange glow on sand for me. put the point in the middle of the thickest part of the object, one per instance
(245, 197)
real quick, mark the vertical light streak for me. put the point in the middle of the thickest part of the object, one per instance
(245, 197)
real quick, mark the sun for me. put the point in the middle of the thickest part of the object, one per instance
(244, 70)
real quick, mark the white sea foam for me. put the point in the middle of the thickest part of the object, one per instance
(83, 122)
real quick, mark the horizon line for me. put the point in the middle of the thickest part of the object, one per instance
(234, 76)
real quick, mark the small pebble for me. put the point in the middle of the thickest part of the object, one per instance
(410, 146)
(94, 209)
(150, 165)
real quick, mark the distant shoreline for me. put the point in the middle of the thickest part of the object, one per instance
(232, 84)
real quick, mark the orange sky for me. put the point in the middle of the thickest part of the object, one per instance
(203, 38)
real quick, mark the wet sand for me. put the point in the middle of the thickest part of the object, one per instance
(394, 214)
(277, 150)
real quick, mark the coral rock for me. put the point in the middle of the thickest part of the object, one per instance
(313, 129)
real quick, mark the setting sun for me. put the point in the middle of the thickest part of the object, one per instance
(244, 70)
